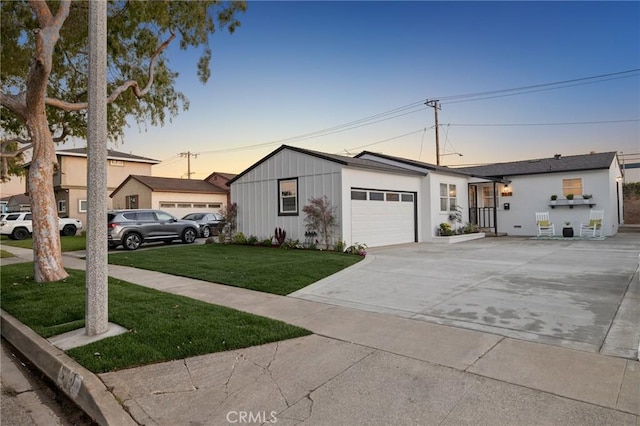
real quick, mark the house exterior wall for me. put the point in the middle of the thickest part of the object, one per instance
(132, 187)
(433, 216)
(181, 204)
(531, 193)
(256, 193)
(358, 178)
(70, 182)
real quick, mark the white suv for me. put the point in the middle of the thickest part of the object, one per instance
(18, 226)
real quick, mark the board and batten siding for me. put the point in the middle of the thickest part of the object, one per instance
(256, 193)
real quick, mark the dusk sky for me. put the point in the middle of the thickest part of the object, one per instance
(295, 68)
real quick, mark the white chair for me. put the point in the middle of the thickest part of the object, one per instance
(594, 226)
(545, 227)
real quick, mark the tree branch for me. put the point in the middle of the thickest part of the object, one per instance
(15, 103)
(42, 11)
(129, 84)
(62, 135)
(16, 152)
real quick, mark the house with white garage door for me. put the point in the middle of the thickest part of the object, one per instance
(376, 203)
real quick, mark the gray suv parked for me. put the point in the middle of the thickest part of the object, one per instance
(134, 227)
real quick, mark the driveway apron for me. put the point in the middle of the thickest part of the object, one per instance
(566, 293)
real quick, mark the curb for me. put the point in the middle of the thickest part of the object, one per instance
(79, 384)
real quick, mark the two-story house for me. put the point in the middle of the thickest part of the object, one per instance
(70, 179)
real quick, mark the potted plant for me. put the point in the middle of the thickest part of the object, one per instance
(570, 199)
(586, 198)
(554, 197)
(567, 231)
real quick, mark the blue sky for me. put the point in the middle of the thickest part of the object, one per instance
(298, 67)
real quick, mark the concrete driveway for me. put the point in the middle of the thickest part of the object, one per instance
(579, 294)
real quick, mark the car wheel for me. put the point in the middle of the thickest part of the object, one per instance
(20, 234)
(132, 241)
(206, 232)
(69, 230)
(189, 235)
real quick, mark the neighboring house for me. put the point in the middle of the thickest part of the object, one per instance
(382, 200)
(631, 172)
(70, 179)
(376, 204)
(16, 203)
(176, 196)
(221, 180)
(529, 185)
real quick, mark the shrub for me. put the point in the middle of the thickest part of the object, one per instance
(470, 228)
(445, 229)
(339, 246)
(321, 218)
(267, 242)
(239, 238)
(280, 236)
(252, 240)
(291, 244)
(357, 248)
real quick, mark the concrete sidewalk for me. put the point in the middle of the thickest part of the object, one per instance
(369, 368)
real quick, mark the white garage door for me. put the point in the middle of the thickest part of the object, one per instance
(380, 218)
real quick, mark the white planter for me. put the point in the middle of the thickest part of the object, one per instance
(457, 238)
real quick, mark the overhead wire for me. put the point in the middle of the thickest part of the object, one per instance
(418, 106)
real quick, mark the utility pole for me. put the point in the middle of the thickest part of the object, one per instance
(434, 104)
(188, 154)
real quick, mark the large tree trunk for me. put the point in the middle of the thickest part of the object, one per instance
(47, 254)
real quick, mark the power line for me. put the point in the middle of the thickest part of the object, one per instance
(562, 84)
(418, 106)
(574, 123)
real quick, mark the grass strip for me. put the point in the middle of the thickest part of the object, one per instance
(161, 326)
(72, 243)
(266, 269)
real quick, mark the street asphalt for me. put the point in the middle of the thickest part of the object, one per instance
(363, 366)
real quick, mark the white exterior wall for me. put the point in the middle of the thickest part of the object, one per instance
(359, 178)
(433, 215)
(531, 193)
(256, 193)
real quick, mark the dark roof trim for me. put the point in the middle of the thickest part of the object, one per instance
(111, 155)
(428, 166)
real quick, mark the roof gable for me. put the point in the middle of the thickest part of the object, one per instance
(338, 159)
(413, 163)
(163, 184)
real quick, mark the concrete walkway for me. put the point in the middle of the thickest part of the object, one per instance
(370, 368)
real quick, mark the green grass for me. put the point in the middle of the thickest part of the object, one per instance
(271, 270)
(161, 326)
(5, 254)
(74, 243)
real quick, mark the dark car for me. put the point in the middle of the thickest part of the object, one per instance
(131, 228)
(208, 222)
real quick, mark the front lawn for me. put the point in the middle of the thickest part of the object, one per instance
(4, 254)
(73, 243)
(267, 269)
(161, 326)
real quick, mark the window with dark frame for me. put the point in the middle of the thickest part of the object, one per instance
(288, 197)
(359, 195)
(376, 196)
(132, 201)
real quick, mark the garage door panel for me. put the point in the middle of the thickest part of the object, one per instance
(379, 223)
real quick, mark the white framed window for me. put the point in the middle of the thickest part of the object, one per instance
(448, 197)
(117, 163)
(572, 186)
(288, 197)
(82, 206)
(165, 205)
(62, 206)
